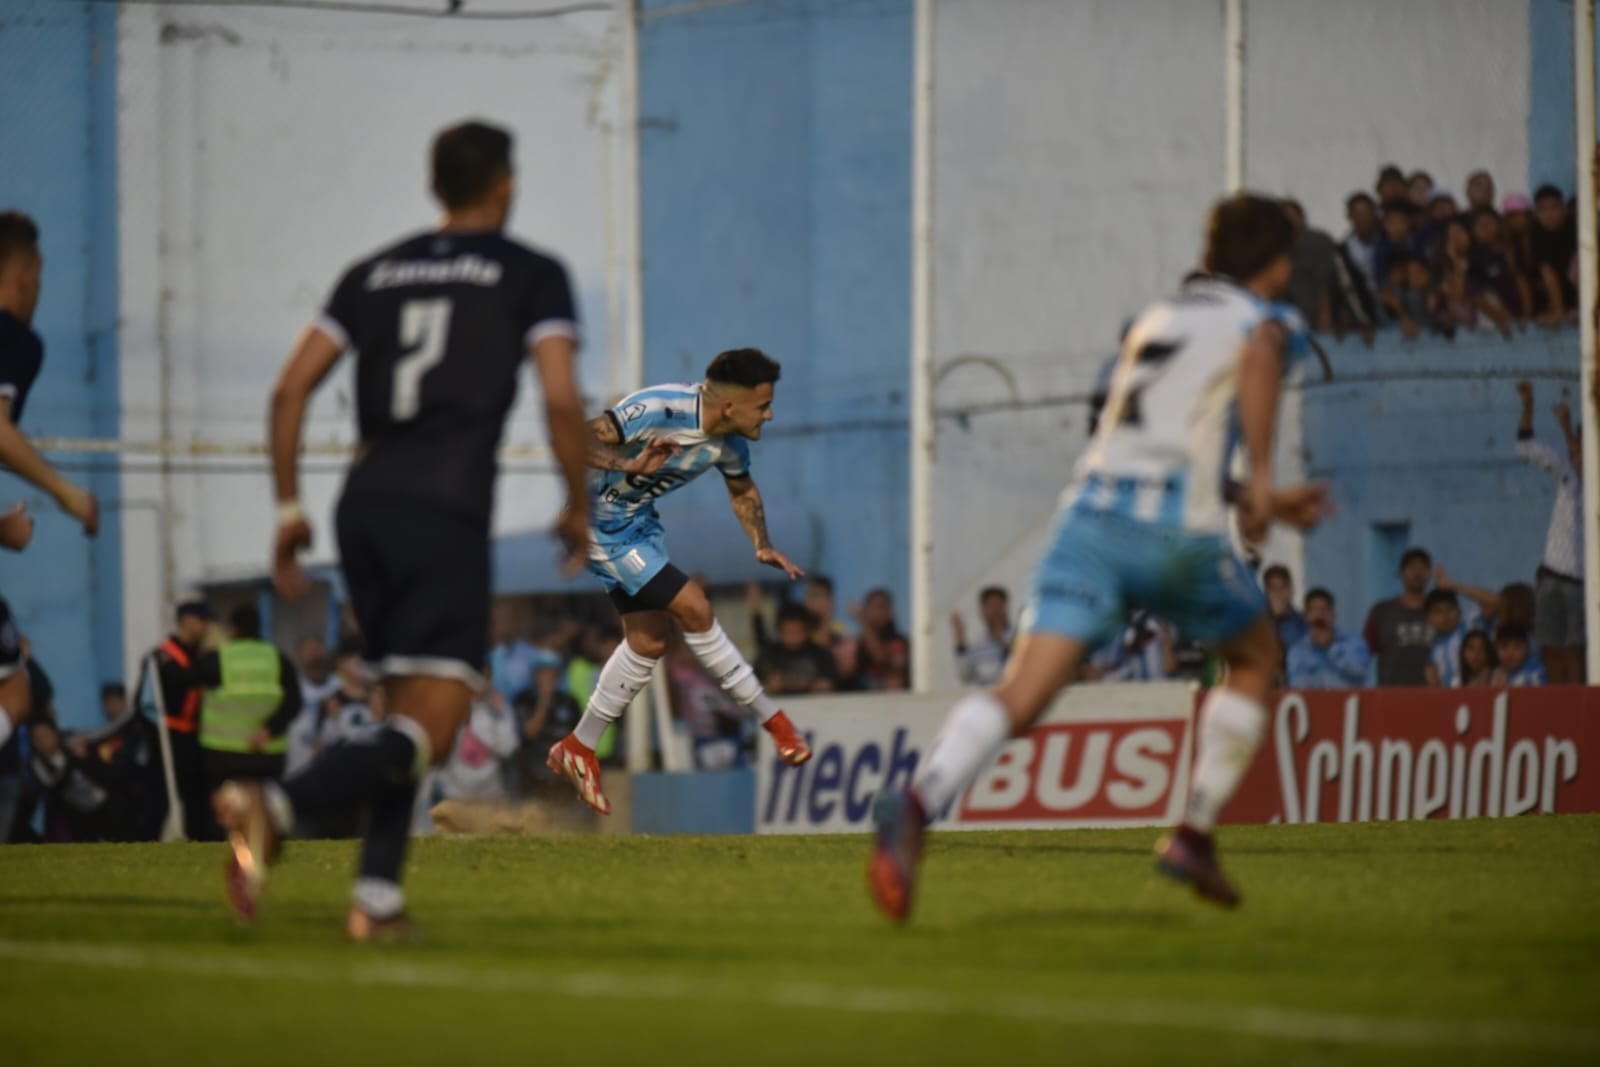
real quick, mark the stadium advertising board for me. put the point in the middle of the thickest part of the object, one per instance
(1116, 755)
(1121, 755)
(1424, 754)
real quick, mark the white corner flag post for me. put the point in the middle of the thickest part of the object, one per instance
(1589, 287)
(172, 825)
(1233, 95)
(924, 637)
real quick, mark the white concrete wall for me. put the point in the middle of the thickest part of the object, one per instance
(1076, 148)
(261, 151)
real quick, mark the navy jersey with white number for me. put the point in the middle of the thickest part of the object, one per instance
(441, 325)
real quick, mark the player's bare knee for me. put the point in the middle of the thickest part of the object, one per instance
(692, 610)
(646, 643)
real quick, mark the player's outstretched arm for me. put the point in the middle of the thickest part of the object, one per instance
(752, 514)
(553, 359)
(313, 357)
(1260, 379)
(18, 453)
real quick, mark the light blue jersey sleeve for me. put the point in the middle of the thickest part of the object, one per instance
(641, 415)
(1299, 343)
(735, 459)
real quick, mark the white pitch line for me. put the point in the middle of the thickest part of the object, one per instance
(1258, 1020)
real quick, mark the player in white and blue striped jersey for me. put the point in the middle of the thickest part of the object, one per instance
(651, 443)
(1144, 522)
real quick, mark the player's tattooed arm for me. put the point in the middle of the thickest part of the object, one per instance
(752, 513)
(750, 509)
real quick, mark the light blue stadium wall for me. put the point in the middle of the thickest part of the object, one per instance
(58, 117)
(1424, 436)
(775, 166)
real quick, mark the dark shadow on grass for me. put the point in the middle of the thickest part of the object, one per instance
(1099, 918)
(964, 843)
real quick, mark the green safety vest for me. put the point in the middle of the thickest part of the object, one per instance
(251, 690)
(581, 678)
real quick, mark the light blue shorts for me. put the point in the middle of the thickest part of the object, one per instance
(626, 559)
(1101, 563)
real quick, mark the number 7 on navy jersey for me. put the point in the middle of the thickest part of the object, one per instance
(424, 329)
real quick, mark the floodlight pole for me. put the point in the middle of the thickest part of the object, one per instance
(1233, 95)
(1588, 286)
(924, 637)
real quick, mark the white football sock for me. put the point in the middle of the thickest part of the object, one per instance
(5, 730)
(973, 734)
(379, 897)
(1231, 725)
(624, 674)
(731, 670)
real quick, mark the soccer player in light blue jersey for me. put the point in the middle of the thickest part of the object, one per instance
(1145, 522)
(651, 443)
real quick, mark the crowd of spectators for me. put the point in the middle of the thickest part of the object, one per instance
(1419, 259)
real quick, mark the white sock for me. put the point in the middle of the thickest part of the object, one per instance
(624, 674)
(1231, 725)
(5, 729)
(973, 734)
(731, 670)
(379, 897)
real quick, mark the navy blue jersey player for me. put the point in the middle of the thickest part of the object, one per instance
(21, 358)
(651, 443)
(441, 324)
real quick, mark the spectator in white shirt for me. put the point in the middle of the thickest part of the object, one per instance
(1559, 609)
(476, 767)
(1361, 243)
(317, 680)
(981, 663)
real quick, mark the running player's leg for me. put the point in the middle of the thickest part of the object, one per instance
(419, 586)
(1224, 607)
(1076, 596)
(626, 673)
(691, 610)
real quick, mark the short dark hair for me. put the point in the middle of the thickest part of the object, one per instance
(348, 646)
(1359, 197)
(1388, 171)
(1397, 206)
(1419, 173)
(18, 234)
(1441, 596)
(821, 581)
(1475, 213)
(1412, 554)
(744, 367)
(1511, 631)
(879, 591)
(789, 611)
(246, 621)
(113, 689)
(1548, 192)
(989, 591)
(467, 160)
(1245, 234)
(1319, 593)
(1277, 570)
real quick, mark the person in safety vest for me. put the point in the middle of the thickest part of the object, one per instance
(176, 658)
(252, 695)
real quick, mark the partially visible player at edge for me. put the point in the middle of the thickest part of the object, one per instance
(1145, 520)
(21, 358)
(651, 443)
(441, 323)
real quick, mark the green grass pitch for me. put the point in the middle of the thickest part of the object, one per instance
(1465, 942)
